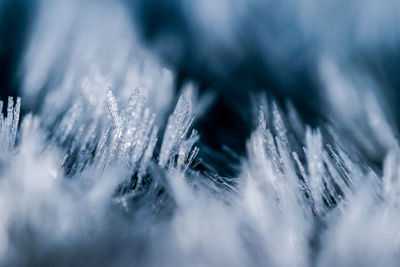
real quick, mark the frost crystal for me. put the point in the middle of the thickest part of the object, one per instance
(175, 132)
(8, 127)
(287, 199)
(108, 177)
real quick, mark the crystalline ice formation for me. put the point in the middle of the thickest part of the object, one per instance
(101, 176)
(175, 132)
(8, 127)
(292, 205)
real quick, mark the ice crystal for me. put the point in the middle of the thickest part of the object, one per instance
(101, 173)
(8, 127)
(175, 132)
(289, 199)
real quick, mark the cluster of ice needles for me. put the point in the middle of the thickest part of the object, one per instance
(104, 168)
(107, 190)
